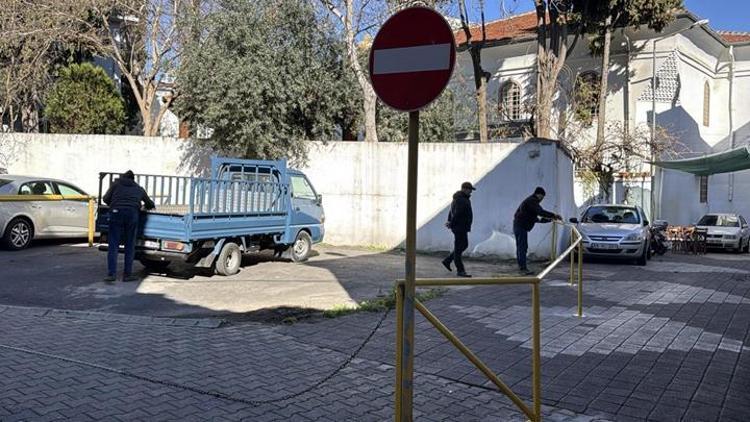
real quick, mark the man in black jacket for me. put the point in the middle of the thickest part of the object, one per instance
(459, 222)
(526, 216)
(124, 198)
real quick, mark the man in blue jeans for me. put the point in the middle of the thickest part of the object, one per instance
(124, 198)
(459, 222)
(528, 214)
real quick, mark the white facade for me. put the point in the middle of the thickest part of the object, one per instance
(689, 62)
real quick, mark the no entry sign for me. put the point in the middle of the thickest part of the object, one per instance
(412, 58)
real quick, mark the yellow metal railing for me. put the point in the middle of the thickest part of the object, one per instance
(534, 414)
(33, 198)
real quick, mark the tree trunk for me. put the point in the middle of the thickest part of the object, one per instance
(370, 107)
(543, 107)
(480, 85)
(370, 100)
(30, 119)
(602, 104)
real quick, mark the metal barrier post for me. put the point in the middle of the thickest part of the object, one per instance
(571, 257)
(553, 250)
(536, 352)
(91, 222)
(580, 279)
(399, 342)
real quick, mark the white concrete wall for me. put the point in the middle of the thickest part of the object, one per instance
(363, 185)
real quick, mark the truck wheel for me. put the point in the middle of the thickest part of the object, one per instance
(18, 234)
(155, 266)
(300, 250)
(229, 259)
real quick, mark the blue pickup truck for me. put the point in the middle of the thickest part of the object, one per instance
(245, 206)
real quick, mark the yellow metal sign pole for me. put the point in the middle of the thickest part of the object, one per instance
(407, 342)
(536, 358)
(91, 222)
(580, 280)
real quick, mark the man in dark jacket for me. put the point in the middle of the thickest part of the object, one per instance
(528, 214)
(459, 222)
(124, 198)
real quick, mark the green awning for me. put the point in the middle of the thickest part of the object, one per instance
(721, 162)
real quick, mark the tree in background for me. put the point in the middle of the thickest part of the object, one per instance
(481, 76)
(602, 17)
(35, 40)
(85, 100)
(264, 76)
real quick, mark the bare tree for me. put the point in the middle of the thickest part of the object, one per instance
(356, 18)
(34, 39)
(553, 20)
(622, 151)
(481, 76)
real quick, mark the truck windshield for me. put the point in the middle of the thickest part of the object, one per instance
(620, 215)
(302, 189)
(719, 221)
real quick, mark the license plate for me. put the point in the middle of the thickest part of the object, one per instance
(151, 244)
(604, 246)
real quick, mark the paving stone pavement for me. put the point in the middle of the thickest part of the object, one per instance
(666, 342)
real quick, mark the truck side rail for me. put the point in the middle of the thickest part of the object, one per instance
(199, 197)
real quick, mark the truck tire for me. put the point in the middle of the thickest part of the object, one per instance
(18, 234)
(229, 259)
(300, 250)
(154, 266)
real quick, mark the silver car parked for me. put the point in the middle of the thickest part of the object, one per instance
(615, 231)
(727, 231)
(21, 220)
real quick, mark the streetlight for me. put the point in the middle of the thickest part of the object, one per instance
(701, 22)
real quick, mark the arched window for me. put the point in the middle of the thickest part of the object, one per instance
(586, 97)
(510, 101)
(706, 103)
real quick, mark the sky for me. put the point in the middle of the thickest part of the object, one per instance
(726, 15)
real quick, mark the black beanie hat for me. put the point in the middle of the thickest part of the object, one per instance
(540, 190)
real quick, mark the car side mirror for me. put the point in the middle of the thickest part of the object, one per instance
(319, 200)
(573, 220)
(744, 226)
(645, 222)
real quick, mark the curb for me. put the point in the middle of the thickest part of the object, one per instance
(93, 316)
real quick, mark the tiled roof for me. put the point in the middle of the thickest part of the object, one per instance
(733, 37)
(524, 26)
(667, 83)
(518, 26)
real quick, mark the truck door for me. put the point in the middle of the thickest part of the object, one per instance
(306, 210)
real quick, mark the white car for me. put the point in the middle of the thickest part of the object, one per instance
(23, 221)
(726, 231)
(615, 231)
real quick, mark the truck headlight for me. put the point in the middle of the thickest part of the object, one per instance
(633, 237)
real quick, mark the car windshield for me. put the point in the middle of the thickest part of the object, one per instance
(5, 187)
(719, 221)
(619, 215)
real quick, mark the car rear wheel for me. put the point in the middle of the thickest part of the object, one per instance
(18, 234)
(229, 260)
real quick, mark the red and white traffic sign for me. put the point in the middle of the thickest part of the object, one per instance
(412, 58)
